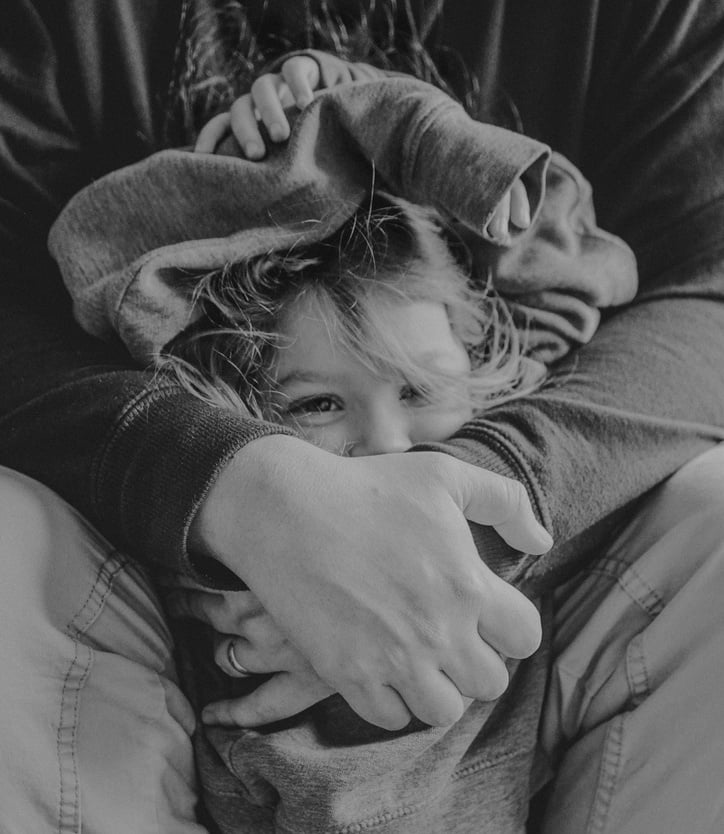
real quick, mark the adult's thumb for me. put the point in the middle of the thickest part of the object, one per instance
(502, 503)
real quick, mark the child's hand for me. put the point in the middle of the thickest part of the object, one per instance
(270, 94)
(512, 212)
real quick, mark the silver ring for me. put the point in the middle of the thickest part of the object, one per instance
(234, 663)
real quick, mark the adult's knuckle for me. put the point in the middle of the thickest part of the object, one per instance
(345, 671)
(398, 660)
(467, 587)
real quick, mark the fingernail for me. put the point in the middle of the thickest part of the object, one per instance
(207, 716)
(253, 150)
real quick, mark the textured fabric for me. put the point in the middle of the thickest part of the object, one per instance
(95, 731)
(634, 704)
(126, 244)
(121, 242)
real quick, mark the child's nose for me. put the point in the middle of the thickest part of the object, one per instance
(381, 433)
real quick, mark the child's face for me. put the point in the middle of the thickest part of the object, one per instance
(336, 402)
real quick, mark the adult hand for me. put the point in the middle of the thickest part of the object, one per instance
(368, 567)
(242, 623)
(270, 94)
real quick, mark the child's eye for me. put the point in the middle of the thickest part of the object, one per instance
(311, 406)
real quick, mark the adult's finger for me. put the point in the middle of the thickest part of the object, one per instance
(477, 669)
(502, 503)
(224, 612)
(378, 704)
(301, 74)
(282, 696)
(265, 93)
(212, 133)
(508, 621)
(257, 660)
(244, 126)
(228, 656)
(435, 699)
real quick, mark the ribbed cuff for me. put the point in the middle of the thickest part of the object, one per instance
(156, 469)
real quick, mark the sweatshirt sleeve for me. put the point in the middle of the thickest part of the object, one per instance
(134, 457)
(647, 394)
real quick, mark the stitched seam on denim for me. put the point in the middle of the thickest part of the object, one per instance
(69, 811)
(607, 777)
(93, 605)
(637, 674)
(631, 583)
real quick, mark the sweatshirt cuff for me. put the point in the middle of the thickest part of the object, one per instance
(157, 467)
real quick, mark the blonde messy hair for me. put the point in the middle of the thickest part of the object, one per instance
(389, 252)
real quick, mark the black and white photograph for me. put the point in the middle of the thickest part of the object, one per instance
(362, 417)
